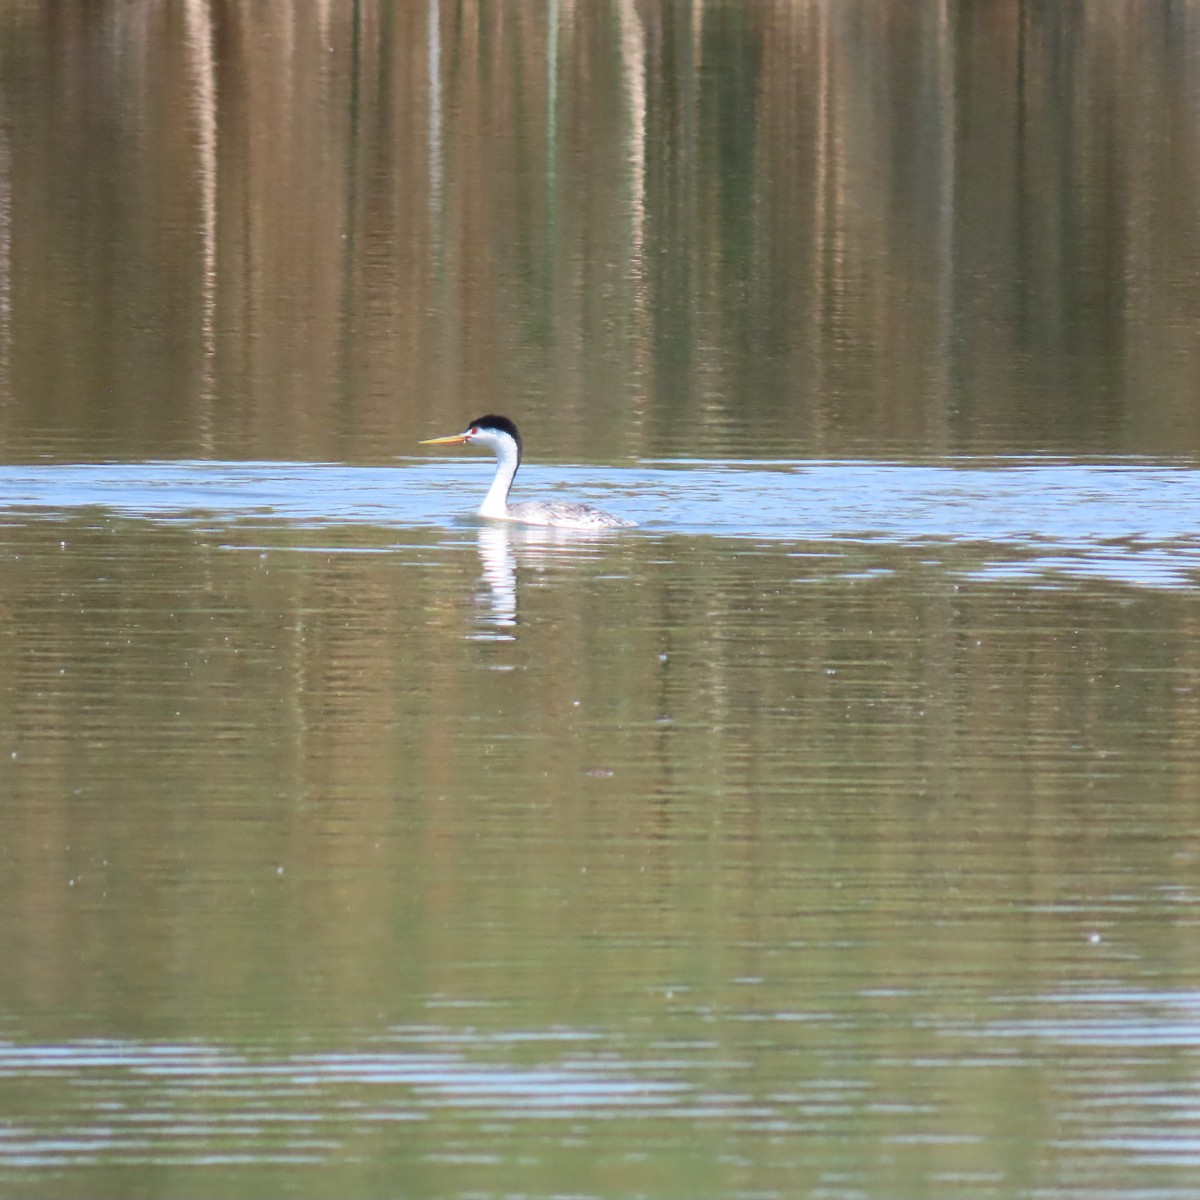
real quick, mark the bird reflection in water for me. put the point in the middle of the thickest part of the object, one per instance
(497, 594)
(502, 549)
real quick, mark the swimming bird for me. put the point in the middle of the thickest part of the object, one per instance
(501, 436)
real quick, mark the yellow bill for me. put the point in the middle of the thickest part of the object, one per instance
(453, 440)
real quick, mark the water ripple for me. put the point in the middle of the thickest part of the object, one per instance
(1134, 521)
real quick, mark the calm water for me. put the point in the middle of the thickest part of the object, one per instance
(831, 834)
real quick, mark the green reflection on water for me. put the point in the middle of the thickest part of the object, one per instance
(356, 861)
(814, 852)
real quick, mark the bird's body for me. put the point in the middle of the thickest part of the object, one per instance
(503, 438)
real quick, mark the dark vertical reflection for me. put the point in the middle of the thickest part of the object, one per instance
(943, 378)
(6, 250)
(348, 308)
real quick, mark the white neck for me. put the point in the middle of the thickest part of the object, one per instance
(495, 503)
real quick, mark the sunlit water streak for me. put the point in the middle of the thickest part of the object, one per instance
(192, 1102)
(1137, 522)
(1104, 1104)
(207, 1104)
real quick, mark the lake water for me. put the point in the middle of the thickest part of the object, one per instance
(832, 833)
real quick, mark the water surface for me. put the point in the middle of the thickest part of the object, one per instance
(830, 834)
(445, 859)
(1129, 520)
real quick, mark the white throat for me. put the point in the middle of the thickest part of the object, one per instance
(508, 459)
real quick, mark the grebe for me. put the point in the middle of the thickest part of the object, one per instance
(503, 438)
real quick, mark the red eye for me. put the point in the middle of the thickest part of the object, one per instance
(472, 430)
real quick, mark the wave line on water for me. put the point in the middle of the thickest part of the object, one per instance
(1137, 520)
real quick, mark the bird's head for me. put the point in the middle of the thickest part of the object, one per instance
(497, 433)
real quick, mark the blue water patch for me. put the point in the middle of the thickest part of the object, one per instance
(1132, 520)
